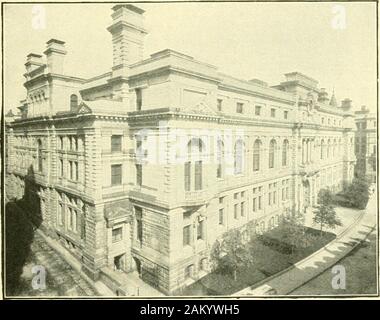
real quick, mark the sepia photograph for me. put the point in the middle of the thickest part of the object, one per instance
(189, 149)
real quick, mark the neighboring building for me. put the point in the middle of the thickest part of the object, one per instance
(144, 167)
(10, 116)
(366, 144)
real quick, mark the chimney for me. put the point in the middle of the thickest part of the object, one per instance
(55, 55)
(33, 61)
(346, 104)
(128, 33)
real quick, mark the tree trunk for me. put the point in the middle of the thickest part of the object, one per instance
(235, 274)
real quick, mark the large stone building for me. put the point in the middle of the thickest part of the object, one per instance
(144, 167)
(365, 144)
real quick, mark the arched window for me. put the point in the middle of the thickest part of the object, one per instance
(73, 102)
(285, 147)
(340, 147)
(39, 155)
(272, 149)
(328, 148)
(334, 148)
(239, 157)
(195, 148)
(220, 158)
(322, 149)
(256, 155)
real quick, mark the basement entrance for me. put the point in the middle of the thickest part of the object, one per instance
(118, 262)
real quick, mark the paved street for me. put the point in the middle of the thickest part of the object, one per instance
(62, 279)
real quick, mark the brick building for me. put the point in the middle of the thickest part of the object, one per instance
(144, 167)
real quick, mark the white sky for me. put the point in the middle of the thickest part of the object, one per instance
(245, 40)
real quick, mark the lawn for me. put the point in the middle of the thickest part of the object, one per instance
(361, 273)
(271, 254)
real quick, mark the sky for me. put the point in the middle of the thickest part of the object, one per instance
(334, 43)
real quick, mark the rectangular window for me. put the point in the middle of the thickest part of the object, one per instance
(116, 176)
(186, 235)
(236, 195)
(236, 211)
(239, 107)
(220, 104)
(187, 175)
(259, 203)
(269, 198)
(61, 167)
(286, 114)
(242, 209)
(61, 142)
(117, 234)
(116, 143)
(219, 171)
(242, 194)
(71, 170)
(139, 230)
(254, 205)
(274, 197)
(139, 226)
(283, 194)
(61, 212)
(198, 175)
(138, 99)
(273, 112)
(221, 200)
(74, 170)
(139, 174)
(221, 216)
(200, 230)
(257, 110)
(69, 218)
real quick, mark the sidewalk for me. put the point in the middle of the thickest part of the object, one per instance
(310, 267)
(132, 284)
(101, 288)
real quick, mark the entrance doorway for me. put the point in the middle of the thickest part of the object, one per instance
(118, 262)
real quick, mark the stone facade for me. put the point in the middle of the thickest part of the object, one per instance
(143, 168)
